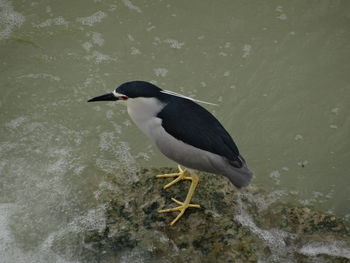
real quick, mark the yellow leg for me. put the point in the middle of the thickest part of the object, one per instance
(183, 205)
(180, 176)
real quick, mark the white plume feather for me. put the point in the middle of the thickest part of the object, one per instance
(185, 97)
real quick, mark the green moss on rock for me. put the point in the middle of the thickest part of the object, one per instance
(230, 226)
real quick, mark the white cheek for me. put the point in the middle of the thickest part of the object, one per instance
(116, 93)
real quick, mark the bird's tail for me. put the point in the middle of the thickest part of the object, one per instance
(240, 177)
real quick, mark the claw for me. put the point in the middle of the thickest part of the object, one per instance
(181, 175)
(182, 205)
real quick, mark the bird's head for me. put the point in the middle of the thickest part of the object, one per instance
(141, 91)
(131, 90)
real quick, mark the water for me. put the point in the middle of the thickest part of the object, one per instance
(278, 69)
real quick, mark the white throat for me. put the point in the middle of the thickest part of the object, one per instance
(143, 111)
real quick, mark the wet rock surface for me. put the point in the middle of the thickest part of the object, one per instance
(230, 226)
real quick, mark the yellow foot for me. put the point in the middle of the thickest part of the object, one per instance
(180, 176)
(182, 208)
(182, 205)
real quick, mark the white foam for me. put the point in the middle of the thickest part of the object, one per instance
(6, 212)
(103, 187)
(95, 219)
(227, 73)
(333, 248)
(246, 50)
(174, 43)
(15, 123)
(9, 250)
(274, 238)
(160, 72)
(303, 163)
(57, 21)
(97, 38)
(131, 38)
(131, 6)
(150, 28)
(87, 46)
(99, 57)
(282, 17)
(275, 175)
(41, 76)
(9, 19)
(135, 51)
(122, 158)
(335, 110)
(298, 137)
(93, 19)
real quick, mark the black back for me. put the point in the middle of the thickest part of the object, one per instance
(191, 123)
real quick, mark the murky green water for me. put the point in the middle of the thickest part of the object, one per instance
(278, 69)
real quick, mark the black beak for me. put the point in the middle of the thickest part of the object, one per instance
(105, 97)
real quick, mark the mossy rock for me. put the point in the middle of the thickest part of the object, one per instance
(229, 227)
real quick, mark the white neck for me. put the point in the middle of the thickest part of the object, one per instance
(143, 112)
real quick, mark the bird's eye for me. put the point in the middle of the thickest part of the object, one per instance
(123, 97)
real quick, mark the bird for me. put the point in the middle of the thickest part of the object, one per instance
(185, 132)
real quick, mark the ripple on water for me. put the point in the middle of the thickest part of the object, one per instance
(96, 17)
(40, 168)
(57, 21)
(131, 6)
(122, 160)
(50, 197)
(9, 250)
(9, 19)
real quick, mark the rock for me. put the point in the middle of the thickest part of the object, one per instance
(230, 226)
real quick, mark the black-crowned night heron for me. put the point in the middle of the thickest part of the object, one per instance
(184, 132)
